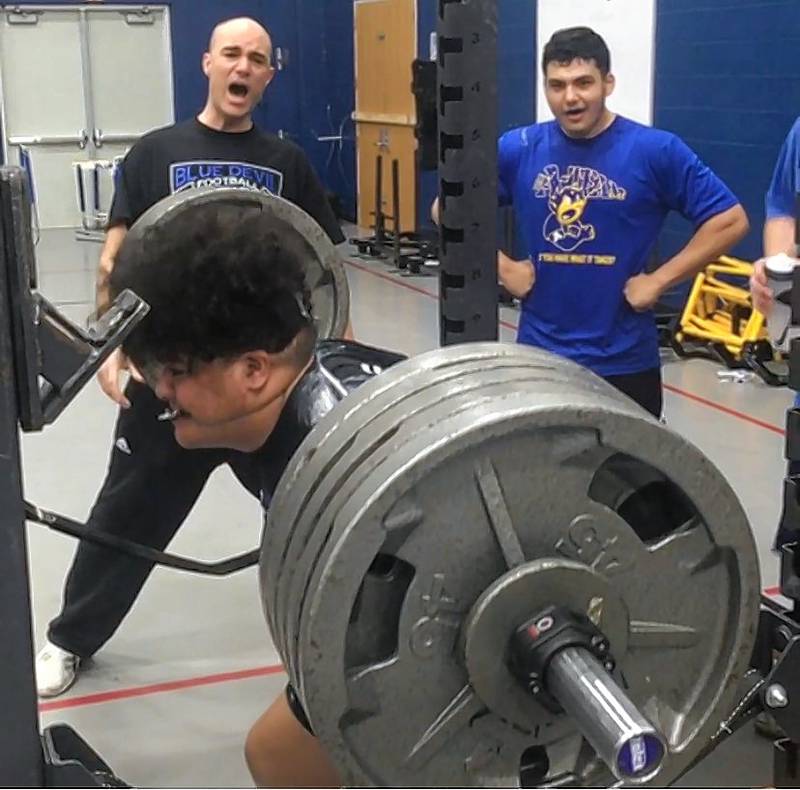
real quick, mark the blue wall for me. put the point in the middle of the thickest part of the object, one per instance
(330, 98)
(728, 82)
(517, 61)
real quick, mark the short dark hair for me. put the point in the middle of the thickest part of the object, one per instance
(219, 282)
(573, 43)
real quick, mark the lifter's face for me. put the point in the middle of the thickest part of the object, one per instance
(238, 69)
(213, 402)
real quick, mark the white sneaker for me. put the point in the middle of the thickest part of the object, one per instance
(56, 670)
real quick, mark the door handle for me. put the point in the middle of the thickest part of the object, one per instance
(97, 137)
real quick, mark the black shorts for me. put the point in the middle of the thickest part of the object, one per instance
(296, 707)
(643, 387)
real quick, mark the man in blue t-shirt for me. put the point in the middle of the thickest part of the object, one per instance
(590, 192)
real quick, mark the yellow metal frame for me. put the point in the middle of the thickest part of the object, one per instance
(709, 312)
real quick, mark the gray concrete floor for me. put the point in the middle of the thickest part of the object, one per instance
(168, 701)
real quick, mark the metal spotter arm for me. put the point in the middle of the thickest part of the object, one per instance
(44, 360)
(70, 356)
(76, 529)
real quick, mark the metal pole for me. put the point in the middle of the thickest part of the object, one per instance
(21, 762)
(467, 99)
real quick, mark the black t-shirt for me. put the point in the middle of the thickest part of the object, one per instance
(190, 154)
(339, 367)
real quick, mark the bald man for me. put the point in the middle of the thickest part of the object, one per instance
(152, 483)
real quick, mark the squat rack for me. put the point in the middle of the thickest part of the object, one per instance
(45, 360)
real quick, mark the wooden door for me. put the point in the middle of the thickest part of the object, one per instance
(385, 115)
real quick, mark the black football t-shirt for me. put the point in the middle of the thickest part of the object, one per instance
(189, 155)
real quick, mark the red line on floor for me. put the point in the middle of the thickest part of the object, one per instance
(772, 591)
(675, 390)
(157, 688)
(726, 410)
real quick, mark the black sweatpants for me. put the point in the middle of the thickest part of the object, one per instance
(151, 485)
(644, 387)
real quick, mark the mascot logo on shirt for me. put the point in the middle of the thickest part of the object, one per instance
(568, 196)
(190, 175)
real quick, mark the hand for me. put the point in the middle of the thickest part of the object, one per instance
(642, 292)
(517, 277)
(763, 297)
(109, 377)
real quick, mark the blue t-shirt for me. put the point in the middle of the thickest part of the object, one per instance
(590, 212)
(783, 189)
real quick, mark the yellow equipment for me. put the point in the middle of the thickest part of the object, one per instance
(719, 321)
(719, 312)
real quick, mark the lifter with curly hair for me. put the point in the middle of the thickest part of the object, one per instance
(231, 351)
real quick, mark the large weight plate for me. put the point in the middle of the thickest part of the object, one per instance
(485, 562)
(412, 717)
(316, 457)
(406, 421)
(315, 463)
(325, 273)
(449, 391)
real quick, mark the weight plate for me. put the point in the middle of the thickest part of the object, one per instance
(527, 476)
(325, 273)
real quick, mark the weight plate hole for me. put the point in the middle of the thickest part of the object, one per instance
(534, 765)
(373, 630)
(653, 505)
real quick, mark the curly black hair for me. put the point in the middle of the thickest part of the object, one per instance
(573, 43)
(220, 281)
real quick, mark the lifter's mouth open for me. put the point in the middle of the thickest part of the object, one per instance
(239, 89)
